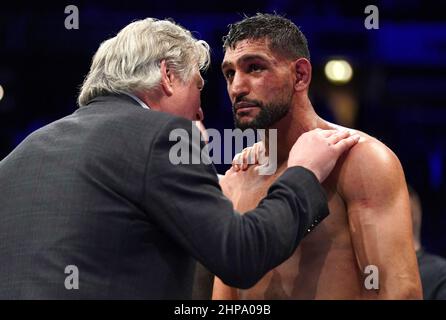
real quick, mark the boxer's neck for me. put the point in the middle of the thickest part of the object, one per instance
(300, 119)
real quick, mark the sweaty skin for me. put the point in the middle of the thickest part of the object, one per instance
(369, 224)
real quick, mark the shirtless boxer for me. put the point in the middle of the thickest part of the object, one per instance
(268, 73)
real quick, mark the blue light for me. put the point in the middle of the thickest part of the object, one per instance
(436, 168)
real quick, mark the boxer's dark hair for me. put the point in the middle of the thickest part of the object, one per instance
(283, 35)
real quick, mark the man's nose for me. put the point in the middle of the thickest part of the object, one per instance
(239, 87)
(199, 116)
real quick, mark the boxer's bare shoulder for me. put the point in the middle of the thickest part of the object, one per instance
(369, 225)
(369, 165)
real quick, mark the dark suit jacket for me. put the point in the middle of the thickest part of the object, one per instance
(433, 275)
(96, 190)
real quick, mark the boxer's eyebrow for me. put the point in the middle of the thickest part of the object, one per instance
(225, 65)
(248, 57)
(244, 59)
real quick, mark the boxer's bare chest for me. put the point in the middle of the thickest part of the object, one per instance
(323, 266)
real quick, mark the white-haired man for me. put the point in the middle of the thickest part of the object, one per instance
(91, 206)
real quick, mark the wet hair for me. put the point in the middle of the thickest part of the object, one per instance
(282, 34)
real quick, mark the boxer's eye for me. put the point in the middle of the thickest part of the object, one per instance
(255, 67)
(229, 74)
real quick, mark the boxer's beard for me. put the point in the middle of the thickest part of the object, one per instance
(268, 115)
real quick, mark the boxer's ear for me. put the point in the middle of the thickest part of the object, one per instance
(166, 78)
(302, 69)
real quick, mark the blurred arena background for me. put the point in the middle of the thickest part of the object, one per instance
(396, 91)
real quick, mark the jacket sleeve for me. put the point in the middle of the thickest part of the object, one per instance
(186, 201)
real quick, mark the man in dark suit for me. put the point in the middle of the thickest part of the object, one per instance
(92, 207)
(432, 267)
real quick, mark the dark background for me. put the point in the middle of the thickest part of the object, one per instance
(397, 93)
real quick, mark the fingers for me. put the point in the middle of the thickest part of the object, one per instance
(248, 156)
(236, 162)
(257, 153)
(338, 136)
(326, 133)
(240, 161)
(261, 154)
(347, 143)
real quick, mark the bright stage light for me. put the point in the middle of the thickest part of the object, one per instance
(338, 71)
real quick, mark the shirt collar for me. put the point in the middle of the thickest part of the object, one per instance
(141, 103)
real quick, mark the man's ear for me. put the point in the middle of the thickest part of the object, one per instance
(166, 78)
(302, 68)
